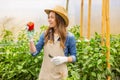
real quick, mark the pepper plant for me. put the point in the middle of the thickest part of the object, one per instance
(16, 62)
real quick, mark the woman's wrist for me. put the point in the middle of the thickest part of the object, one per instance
(70, 59)
(31, 40)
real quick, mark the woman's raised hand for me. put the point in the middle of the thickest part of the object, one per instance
(30, 30)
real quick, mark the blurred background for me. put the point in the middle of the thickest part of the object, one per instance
(14, 14)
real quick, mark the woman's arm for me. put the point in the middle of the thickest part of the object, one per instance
(35, 49)
(72, 48)
(32, 47)
(70, 59)
(72, 51)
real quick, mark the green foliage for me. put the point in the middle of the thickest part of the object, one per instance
(76, 31)
(115, 54)
(16, 62)
(91, 58)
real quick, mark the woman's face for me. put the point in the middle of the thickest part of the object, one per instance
(52, 20)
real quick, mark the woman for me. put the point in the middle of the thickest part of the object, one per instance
(59, 46)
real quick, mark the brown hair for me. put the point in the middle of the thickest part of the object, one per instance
(49, 35)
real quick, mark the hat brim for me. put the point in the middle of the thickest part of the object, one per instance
(59, 13)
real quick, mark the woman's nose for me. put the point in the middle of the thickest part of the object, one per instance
(49, 20)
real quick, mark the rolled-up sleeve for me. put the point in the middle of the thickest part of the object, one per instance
(72, 47)
(39, 44)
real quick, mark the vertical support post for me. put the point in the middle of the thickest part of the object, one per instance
(108, 35)
(81, 19)
(103, 22)
(89, 18)
(67, 3)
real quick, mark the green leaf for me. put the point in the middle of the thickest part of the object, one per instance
(19, 67)
(84, 77)
(90, 65)
(85, 57)
(99, 61)
(118, 70)
(25, 71)
(31, 72)
(99, 76)
(114, 50)
(93, 74)
(96, 50)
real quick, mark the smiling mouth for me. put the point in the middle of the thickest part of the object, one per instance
(50, 23)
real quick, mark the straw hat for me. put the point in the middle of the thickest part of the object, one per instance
(60, 11)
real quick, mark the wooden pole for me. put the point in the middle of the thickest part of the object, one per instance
(81, 19)
(67, 3)
(89, 18)
(108, 36)
(103, 22)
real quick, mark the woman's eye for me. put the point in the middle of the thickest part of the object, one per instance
(48, 17)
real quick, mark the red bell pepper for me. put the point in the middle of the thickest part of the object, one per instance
(30, 26)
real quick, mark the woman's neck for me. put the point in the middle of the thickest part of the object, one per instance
(56, 31)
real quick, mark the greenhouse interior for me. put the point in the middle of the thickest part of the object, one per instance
(83, 37)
